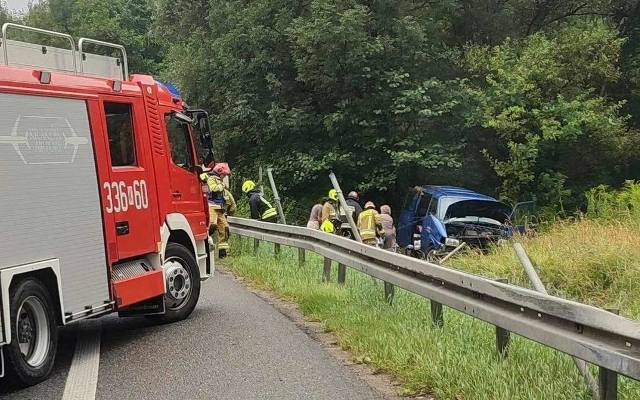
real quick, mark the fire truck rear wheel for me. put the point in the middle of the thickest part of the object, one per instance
(183, 284)
(34, 333)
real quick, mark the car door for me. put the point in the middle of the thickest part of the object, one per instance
(434, 232)
(186, 188)
(127, 193)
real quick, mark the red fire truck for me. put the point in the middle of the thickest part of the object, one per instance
(101, 206)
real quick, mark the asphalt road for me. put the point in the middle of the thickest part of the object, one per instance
(234, 346)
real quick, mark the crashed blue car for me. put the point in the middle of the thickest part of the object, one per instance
(437, 219)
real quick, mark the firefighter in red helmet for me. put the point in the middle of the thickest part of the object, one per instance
(221, 203)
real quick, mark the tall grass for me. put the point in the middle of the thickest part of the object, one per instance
(593, 258)
(457, 361)
(592, 261)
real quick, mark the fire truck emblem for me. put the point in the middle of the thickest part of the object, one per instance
(44, 140)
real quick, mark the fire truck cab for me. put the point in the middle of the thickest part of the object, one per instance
(102, 207)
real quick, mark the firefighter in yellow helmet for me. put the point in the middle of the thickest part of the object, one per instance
(261, 209)
(369, 225)
(329, 214)
(221, 203)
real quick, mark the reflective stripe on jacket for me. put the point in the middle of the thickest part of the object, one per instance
(269, 213)
(368, 224)
(261, 209)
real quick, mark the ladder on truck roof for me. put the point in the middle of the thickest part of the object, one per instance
(77, 62)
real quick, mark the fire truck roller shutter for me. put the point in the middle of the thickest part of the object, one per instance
(50, 198)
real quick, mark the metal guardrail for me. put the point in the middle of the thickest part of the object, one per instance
(586, 332)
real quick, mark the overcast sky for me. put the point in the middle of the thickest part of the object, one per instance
(17, 5)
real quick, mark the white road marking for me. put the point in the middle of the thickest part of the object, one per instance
(82, 380)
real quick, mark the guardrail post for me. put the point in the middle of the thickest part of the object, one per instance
(342, 273)
(301, 257)
(503, 336)
(607, 379)
(503, 339)
(276, 249)
(581, 365)
(256, 244)
(608, 382)
(326, 271)
(389, 292)
(436, 313)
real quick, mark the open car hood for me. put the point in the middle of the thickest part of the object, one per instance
(480, 209)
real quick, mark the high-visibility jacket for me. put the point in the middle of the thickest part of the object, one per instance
(261, 209)
(230, 202)
(369, 225)
(216, 190)
(328, 212)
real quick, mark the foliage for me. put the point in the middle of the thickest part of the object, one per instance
(457, 361)
(543, 104)
(615, 205)
(5, 15)
(393, 94)
(126, 22)
(517, 98)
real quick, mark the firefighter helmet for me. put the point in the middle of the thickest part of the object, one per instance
(327, 226)
(248, 186)
(369, 205)
(221, 169)
(333, 194)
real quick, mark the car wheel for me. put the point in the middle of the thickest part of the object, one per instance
(183, 284)
(34, 333)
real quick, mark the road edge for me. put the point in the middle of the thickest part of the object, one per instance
(381, 382)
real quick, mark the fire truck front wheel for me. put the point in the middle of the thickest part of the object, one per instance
(34, 333)
(183, 284)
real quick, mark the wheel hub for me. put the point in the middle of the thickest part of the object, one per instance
(178, 283)
(32, 331)
(25, 328)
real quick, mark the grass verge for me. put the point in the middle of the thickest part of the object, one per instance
(457, 361)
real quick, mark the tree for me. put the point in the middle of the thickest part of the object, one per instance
(126, 22)
(503, 96)
(543, 99)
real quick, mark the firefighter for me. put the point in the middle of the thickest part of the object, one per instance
(329, 214)
(369, 225)
(261, 209)
(353, 201)
(221, 203)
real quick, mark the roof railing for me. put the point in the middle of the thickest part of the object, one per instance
(83, 40)
(58, 58)
(5, 46)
